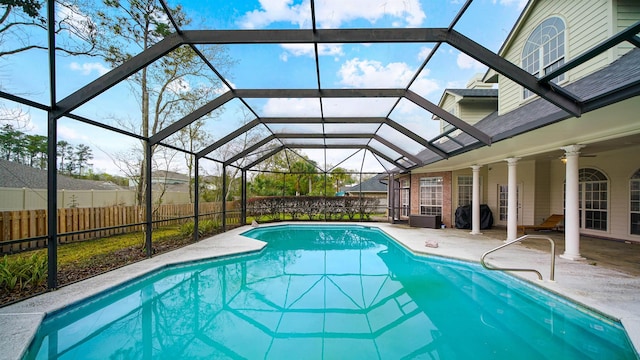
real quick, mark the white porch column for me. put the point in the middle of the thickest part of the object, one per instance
(512, 200)
(571, 212)
(475, 201)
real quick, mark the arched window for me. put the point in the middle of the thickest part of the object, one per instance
(544, 50)
(593, 199)
(634, 198)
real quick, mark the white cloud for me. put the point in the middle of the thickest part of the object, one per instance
(307, 50)
(346, 107)
(80, 24)
(87, 68)
(425, 86)
(464, 61)
(291, 107)
(373, 74)
(424, 52)
(179, 86)
(519, 3)
(275, 11)
(67, 133)
(334, 13)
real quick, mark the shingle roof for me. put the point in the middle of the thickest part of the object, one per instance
(621, 74)
(370, 185)
(474, 92)
(15, 175)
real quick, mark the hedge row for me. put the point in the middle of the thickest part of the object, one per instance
(311, 207)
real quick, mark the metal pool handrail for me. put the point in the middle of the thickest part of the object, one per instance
(553, 256)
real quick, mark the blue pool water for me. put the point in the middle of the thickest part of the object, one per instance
(328, 292)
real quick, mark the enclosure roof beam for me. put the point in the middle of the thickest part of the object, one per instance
(375, 151)
(264, 157)
(390, 160)
(417, 138)
(319, 120)
(513, 72)
(397, 149)
(323, 136)
(627, 34)
(320, 36)
(448, 117)
(315, 93)
(450, 36)
(239, 131)
(249, 150)
(117, 75)
(187, 120)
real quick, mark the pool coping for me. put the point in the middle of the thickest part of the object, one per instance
(608, 292)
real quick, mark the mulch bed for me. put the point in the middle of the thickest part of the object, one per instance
(95, 266)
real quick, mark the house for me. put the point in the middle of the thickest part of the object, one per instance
(375, 187)
(166, 180)
(24, 187)
(471, 104)
(542, 159)
(17, 176)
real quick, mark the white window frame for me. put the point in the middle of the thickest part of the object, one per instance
(467, 183)
(634, 204)
(592, 199)
(405, 189)
(431, 195)
(503, 199)
(545, 50)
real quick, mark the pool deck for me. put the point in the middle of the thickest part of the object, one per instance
(608, 281)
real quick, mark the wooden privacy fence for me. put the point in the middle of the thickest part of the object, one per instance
(15, 225)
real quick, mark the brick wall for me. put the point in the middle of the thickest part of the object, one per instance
(447, 211)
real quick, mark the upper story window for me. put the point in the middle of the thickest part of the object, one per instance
(445, 125)
(544, 50)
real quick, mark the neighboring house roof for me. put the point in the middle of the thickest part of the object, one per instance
(169, 176)
(592, 89)
(467, 94)
(15, 175)
(474, 92)
(371, 185)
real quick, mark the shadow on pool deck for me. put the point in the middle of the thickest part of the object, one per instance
(614, 254)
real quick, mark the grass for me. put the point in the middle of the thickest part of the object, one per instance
(24, 274)
(78, 253)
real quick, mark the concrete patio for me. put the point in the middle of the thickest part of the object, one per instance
(608, 281)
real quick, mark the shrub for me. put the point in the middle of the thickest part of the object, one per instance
(205, 227)
(23, 271)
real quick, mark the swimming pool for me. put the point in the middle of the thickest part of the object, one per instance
(343, 292)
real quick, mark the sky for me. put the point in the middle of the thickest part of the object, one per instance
(272, 66)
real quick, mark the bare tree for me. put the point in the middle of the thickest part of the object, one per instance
(164, 87)
(234, 147)
(22, 20)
